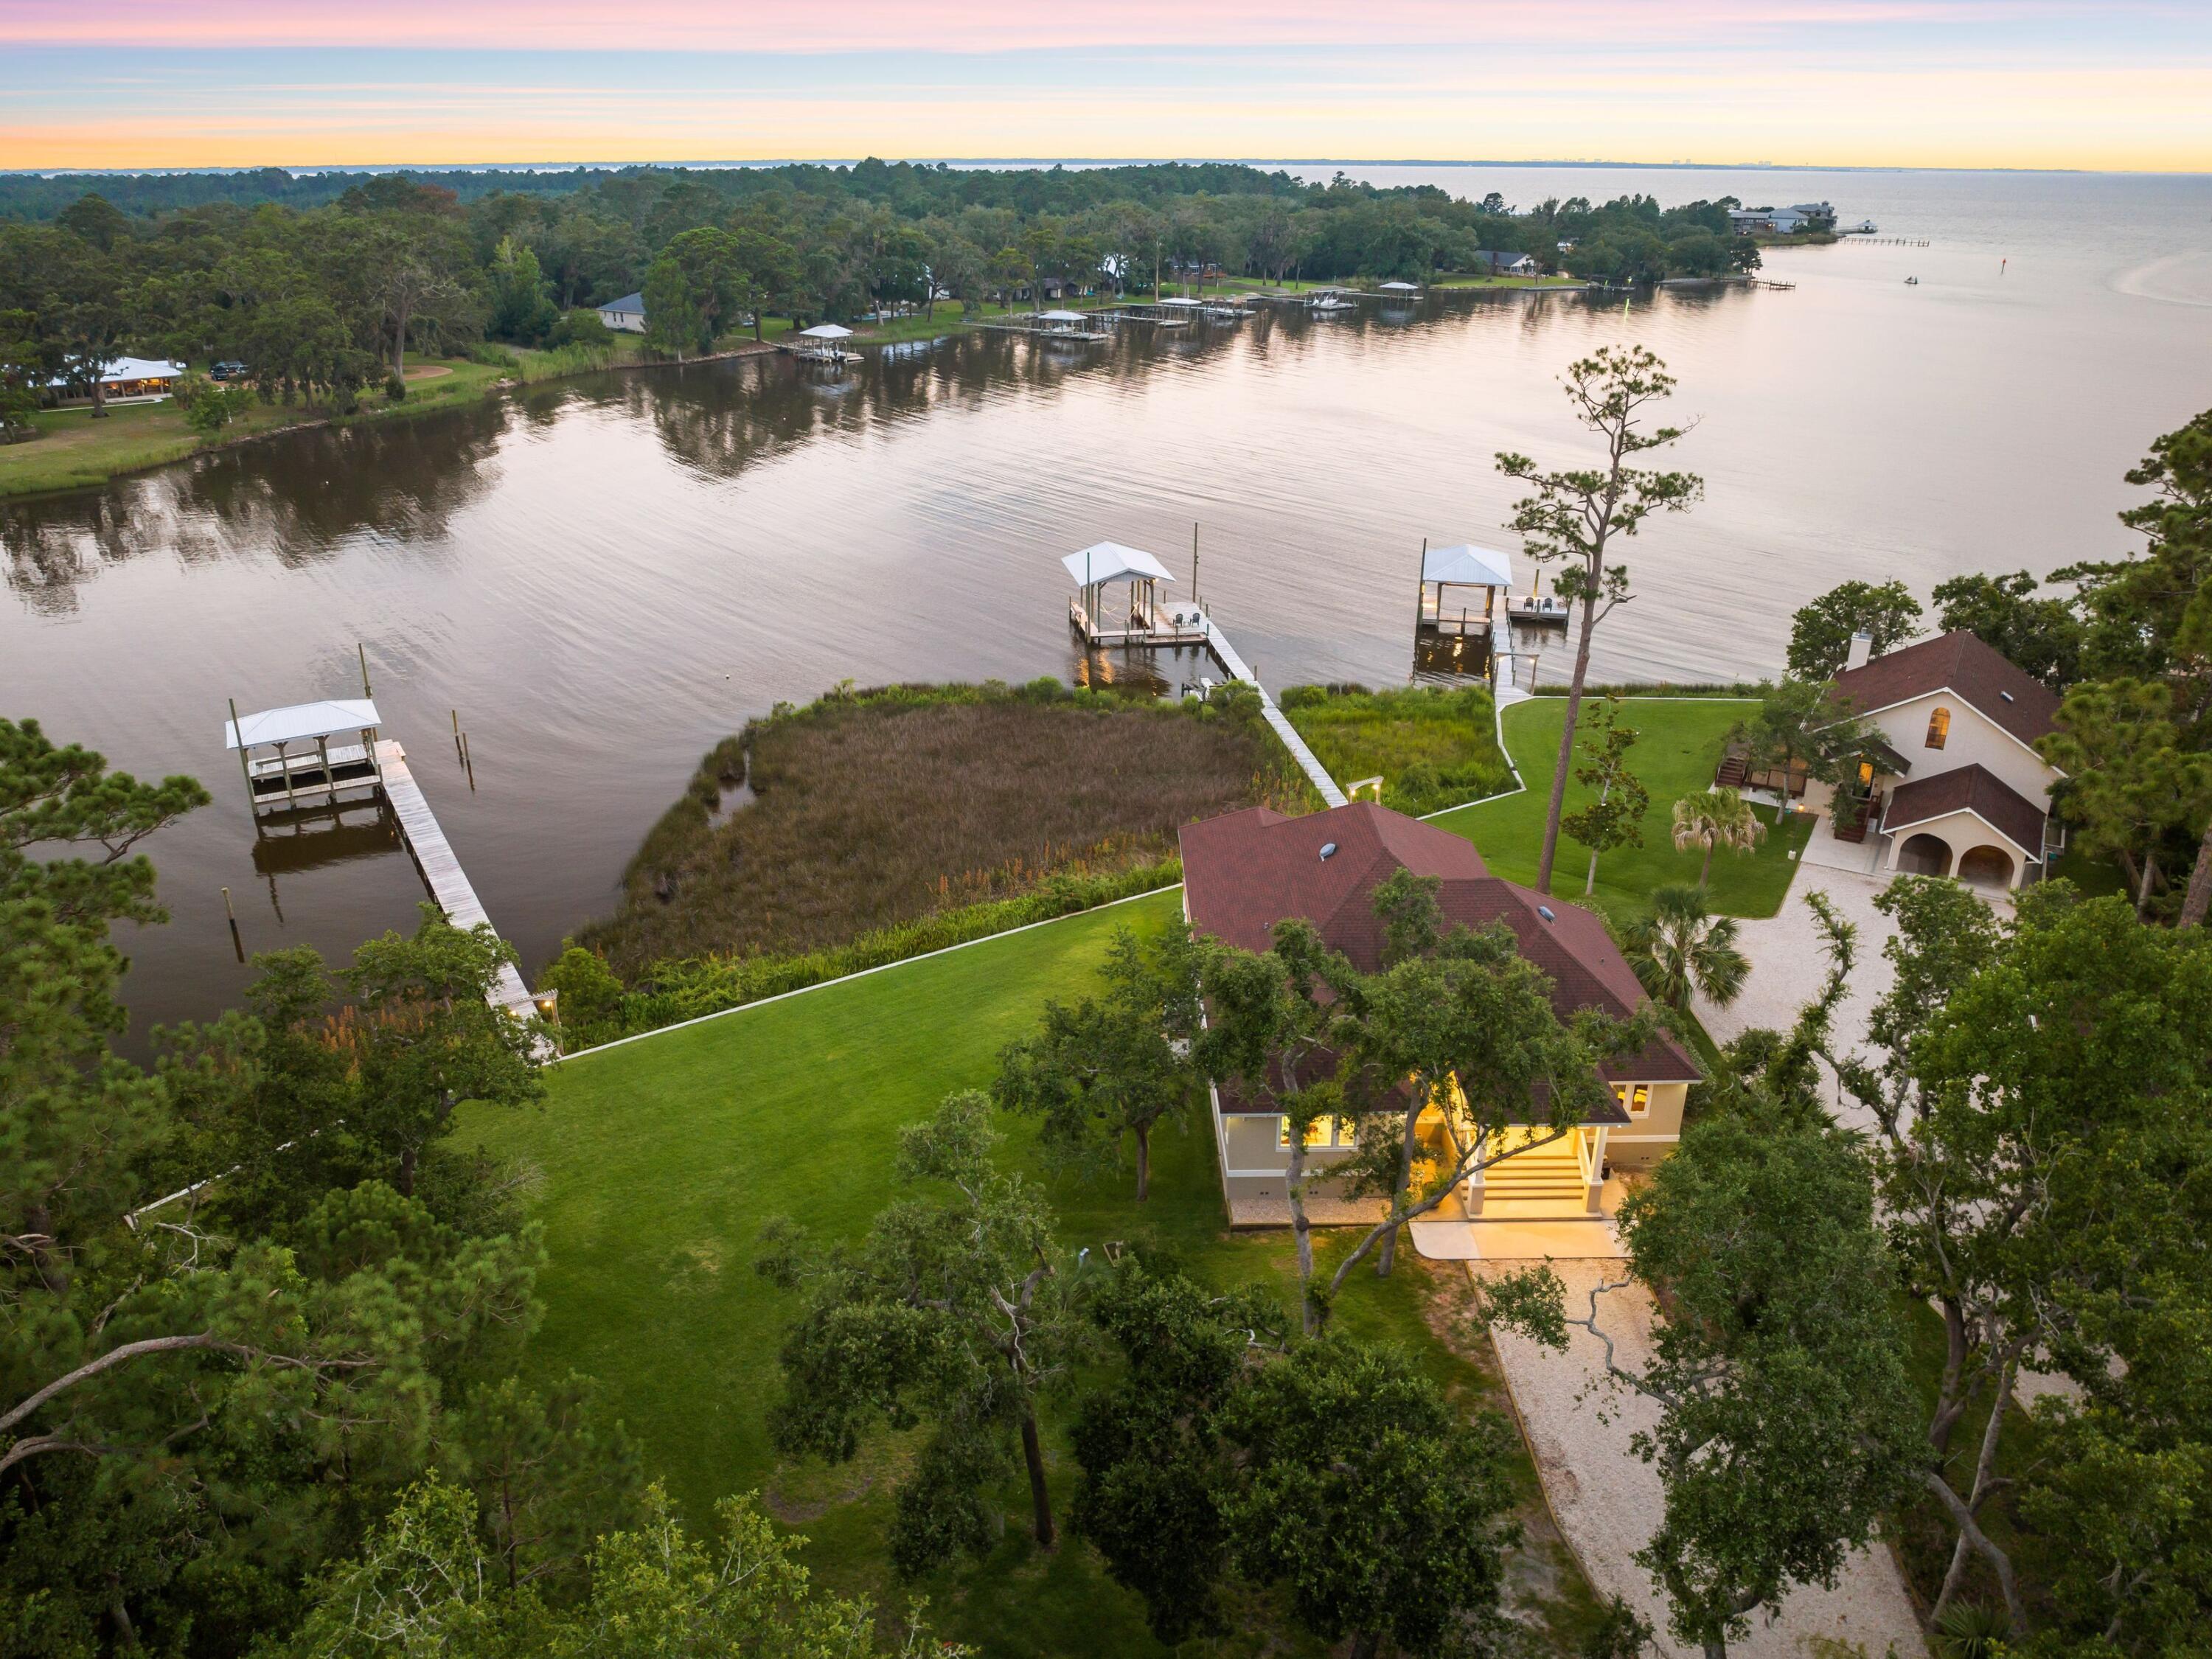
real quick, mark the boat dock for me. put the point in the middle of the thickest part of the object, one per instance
(1309, 762)
(441, 870)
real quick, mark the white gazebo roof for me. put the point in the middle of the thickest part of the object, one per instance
(133, 369)
(301, 721)
(1468, 566)
(826, 331)
(1110, 561)
(1182, 300)
(1400, 288)
(1061, 316)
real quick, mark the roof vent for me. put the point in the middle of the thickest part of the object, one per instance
(1328, 849)
(1547, 912)
(2007, 696)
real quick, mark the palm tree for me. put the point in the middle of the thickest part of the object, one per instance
(1682, 945)
(1716, 817)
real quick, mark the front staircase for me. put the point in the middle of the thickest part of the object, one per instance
(1543, 1181)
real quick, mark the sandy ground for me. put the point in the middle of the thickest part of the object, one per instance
(1789, 962)
(1608, 1501)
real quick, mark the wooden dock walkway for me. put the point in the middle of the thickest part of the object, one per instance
(1225, 654)
(441, 870)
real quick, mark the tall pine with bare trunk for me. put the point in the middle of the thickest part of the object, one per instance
(1573, 515)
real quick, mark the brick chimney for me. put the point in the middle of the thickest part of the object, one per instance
(1862, 651)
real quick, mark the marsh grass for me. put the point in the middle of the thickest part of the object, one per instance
(870, 811)
(1432, 748)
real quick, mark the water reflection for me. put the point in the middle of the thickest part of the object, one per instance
(297, 499)
(608, 574)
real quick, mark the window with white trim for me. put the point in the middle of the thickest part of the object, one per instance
(1635, 1097)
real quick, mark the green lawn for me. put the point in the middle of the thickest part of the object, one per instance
(1679, 746)
(661, 1159)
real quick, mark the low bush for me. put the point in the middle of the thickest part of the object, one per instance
(1432, 747)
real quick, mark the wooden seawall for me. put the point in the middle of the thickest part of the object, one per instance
(441, 870)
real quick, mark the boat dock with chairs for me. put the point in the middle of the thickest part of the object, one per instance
(1150, 622)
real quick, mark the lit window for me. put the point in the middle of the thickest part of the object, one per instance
(1866, 772)
(1348, 1132)
(1317, 1132)
(1635, 1096)
(1939, 727)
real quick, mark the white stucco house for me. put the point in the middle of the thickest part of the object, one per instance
(1955, 787)
(625, 315)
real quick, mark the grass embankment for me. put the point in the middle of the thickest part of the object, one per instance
(1675, 754)
(1432, 748)
(661, 1161)
(884, 823)
(74, 451)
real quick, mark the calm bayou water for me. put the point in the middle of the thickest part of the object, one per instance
(606, 575)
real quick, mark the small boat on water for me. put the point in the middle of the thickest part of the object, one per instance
(1912, 281)
(1329, 303)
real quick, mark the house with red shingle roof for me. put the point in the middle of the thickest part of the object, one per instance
(1245, 872)
(1956, 788)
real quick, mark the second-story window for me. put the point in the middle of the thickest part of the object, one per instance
(1939, 727)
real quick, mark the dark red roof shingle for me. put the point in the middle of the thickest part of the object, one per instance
(1966, 789)
(1245, 872)
(1976, 674)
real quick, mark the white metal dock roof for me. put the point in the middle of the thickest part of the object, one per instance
(1110, 561)
(1468, 565)
(301, 721)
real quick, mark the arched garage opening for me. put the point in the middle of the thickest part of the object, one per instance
(1986, 867)
(1924, 856)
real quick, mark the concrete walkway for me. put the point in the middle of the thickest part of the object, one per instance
(1609, 1502)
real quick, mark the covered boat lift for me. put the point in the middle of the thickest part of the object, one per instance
(1463, 566)
(1146, 621)
(289, 758)
(1070, 325)
(824, 342)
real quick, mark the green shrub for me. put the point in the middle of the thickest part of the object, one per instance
(1432, 747)
(492, 356)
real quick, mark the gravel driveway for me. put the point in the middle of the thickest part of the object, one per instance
(1608, 1501)
(1789, 962)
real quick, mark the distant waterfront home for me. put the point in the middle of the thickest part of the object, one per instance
(1783, 221)
(625, 315)
(1955, 787)
(124, 380)
(1505, 265)
(1246, 871)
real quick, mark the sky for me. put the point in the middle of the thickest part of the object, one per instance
(2123, 84)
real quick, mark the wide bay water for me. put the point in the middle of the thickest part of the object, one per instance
(604, 576)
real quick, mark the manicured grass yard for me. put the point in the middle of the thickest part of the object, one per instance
(661, 1160)
(1680, 745)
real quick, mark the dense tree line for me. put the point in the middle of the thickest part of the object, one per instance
(322, 291)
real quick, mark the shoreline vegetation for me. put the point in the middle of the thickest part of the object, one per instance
(1432, 748)
(871, 826)
(328, 297)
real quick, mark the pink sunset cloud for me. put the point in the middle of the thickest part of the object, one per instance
(774, 26)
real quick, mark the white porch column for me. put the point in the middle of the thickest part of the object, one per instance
(1595, 1175)
(1475, 1183)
